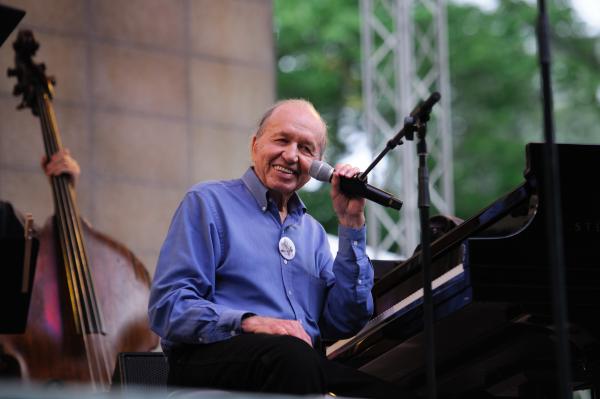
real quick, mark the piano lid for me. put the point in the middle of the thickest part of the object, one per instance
(493, 327)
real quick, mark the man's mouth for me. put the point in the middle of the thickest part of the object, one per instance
(284, 170)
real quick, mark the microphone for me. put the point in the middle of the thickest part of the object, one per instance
(423, 109)
(354, 187)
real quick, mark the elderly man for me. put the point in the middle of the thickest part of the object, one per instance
(246, 287)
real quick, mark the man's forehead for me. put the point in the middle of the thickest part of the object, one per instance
(296, 107)
(298, 114)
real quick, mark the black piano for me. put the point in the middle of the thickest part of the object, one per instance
(494, 333)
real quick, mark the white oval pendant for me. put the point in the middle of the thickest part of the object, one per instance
(287, 249)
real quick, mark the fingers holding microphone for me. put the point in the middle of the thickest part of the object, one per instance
(350, 210)
(349, 183)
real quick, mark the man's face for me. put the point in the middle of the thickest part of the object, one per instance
(291, 139)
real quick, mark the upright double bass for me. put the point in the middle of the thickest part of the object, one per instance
(90, 293)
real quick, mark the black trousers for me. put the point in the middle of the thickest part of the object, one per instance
(271, 363)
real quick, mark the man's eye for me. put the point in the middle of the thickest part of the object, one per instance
(307, 150)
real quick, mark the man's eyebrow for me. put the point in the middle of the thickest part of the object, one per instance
(313, 143)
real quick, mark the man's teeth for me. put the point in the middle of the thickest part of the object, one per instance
(284, 170)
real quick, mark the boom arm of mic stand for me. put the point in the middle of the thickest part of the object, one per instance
(407, 131)
(418, 116)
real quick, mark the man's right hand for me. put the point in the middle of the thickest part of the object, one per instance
(269, 325)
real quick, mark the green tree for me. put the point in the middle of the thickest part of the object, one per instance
(494, 74)
(496, 102)
(318, 58)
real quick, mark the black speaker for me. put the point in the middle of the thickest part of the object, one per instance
(145, 371)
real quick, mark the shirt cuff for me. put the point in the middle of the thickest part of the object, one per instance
(229, 324)
(352, 242)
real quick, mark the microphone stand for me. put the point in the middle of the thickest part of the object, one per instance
(424, 204)
(417, 122)
(554, 214)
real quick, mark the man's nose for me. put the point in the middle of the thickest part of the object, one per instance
(290, 153)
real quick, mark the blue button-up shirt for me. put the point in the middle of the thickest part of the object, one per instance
(221, 260)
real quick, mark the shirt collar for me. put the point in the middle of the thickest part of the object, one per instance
(260, 193)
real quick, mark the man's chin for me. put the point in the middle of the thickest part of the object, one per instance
(284, 189)
(286, 186)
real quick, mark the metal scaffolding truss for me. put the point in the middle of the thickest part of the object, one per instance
(404, 45)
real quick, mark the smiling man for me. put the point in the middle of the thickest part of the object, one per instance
(246, 287)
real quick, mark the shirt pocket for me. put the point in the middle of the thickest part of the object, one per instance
(310, 293)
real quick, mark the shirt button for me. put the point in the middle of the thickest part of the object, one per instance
(355, 243)
(200, 340)
(285, 261)
(232, 332)
(289, 292)
(359, 281)
(264, 208)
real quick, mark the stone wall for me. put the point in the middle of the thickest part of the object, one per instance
(151, 97)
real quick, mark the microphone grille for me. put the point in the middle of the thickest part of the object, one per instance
(321, 171)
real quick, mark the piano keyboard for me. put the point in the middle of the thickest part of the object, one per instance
(383, 317)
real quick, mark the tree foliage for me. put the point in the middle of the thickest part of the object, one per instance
(318, 58)
(495, 85)
(496, 102)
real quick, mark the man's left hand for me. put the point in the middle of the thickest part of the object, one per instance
(350, 210)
